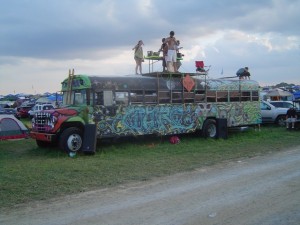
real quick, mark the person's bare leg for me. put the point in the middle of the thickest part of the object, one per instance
(140, 68)
(169, 66)
(175, 66)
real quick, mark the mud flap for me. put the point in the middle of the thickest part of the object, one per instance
(89, 138)
(222, 128)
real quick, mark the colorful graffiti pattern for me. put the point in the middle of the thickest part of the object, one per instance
(172, 119)
(229, 85)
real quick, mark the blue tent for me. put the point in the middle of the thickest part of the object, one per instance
(297, 95)
(53, 98)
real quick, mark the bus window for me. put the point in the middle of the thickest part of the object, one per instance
(222, 96)
(234, 96)
(121, 97)
(164, 96)
(176, 97)
(189, 97)
(99, 98)
(199, 96)
(108, 98)
(150, 97)
(211, 96)
(246, 96)
(255, 96)
(136, 96)
(66, 98)
(80, 97)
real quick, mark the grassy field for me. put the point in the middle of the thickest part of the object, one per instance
(29, 173)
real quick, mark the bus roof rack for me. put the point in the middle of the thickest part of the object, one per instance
(171, 74)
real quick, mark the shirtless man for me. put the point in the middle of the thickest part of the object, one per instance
(172, 54)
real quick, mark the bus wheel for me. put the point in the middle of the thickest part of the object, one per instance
(71, 140)
(209, 129)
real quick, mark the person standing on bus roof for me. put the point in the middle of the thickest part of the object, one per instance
(138, 56)
(178, 54)
(172, 55)
(164, 49)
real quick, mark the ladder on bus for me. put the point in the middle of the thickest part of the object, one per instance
(69, 87)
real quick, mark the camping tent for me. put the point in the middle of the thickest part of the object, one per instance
(278, 94)
(297, 95)
(12, 128)
(55, 98)
(43, 100)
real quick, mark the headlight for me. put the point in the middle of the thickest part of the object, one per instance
(53, 119)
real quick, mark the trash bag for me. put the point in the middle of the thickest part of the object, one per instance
(174, 140)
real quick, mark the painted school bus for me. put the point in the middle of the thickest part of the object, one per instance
(155, 103)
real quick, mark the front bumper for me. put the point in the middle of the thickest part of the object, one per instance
(43, 136)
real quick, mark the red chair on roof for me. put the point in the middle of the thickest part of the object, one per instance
(200, 66)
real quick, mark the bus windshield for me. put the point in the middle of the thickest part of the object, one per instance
(77, 97)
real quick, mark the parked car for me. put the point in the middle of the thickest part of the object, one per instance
(272, 114)
(23, 111)
(282, 104)
(287, 105)
(9, 111)
(39, 107)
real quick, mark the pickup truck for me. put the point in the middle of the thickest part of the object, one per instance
(272, 114)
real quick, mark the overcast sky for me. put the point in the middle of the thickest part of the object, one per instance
(41, 40)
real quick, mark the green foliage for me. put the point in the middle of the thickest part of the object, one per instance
(29, 173)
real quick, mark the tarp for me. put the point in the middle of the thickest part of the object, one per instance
(44, 100)
(55, 98)
(279, 93)
(12, 128)
(297, 95)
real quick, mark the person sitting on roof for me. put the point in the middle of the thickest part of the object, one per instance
(243, 73)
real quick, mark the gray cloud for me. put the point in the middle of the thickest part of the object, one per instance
(232, 33)
(52, 29)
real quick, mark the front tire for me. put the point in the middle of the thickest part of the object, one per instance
(209, 129)
(71, 140)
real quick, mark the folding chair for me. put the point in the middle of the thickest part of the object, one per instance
(200, 66)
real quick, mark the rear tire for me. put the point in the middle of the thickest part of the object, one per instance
(71, 140)
(209, 129)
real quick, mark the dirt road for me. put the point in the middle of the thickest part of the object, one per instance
(262, 190)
